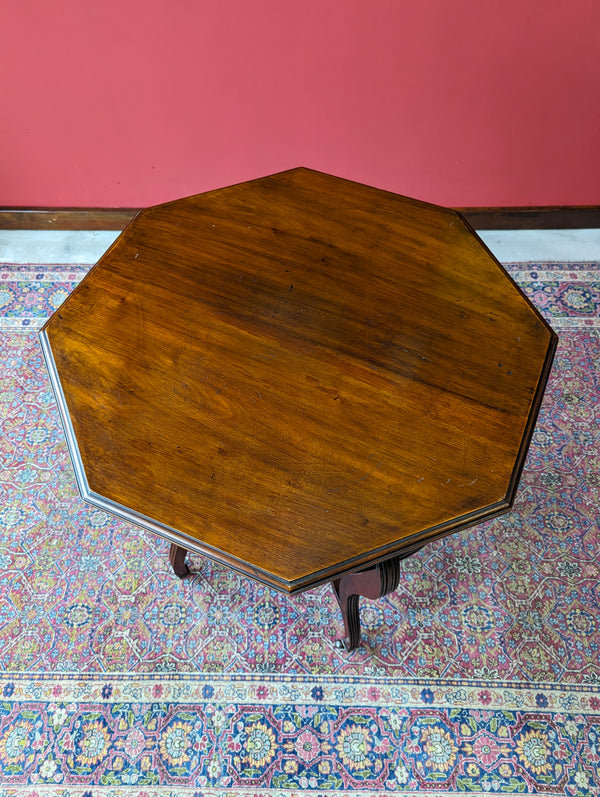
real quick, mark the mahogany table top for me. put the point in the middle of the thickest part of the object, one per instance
(298, 376)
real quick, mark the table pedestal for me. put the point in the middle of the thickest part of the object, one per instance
(374, 582)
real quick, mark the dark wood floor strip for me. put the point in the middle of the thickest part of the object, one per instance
(489, 218)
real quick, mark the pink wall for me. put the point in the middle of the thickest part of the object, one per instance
(461, 102)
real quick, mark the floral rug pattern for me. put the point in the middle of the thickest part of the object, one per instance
(480, 674)
(215, 736)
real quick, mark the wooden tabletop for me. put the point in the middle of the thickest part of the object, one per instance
(299, 376)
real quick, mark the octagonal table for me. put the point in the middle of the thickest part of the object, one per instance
(301, 377)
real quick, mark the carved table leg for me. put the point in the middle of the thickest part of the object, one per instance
(177, 558)
(375, 582)
(372, 583)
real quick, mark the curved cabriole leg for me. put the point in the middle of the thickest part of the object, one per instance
(177, 556)
(372, 583)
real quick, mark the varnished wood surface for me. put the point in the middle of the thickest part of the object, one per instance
(301, 375)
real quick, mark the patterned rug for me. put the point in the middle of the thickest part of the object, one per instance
(480, 674)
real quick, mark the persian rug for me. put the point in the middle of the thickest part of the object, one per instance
(480, 674)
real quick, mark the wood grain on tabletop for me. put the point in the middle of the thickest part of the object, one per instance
(301, 374)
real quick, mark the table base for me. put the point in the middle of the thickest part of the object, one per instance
(373, 582)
